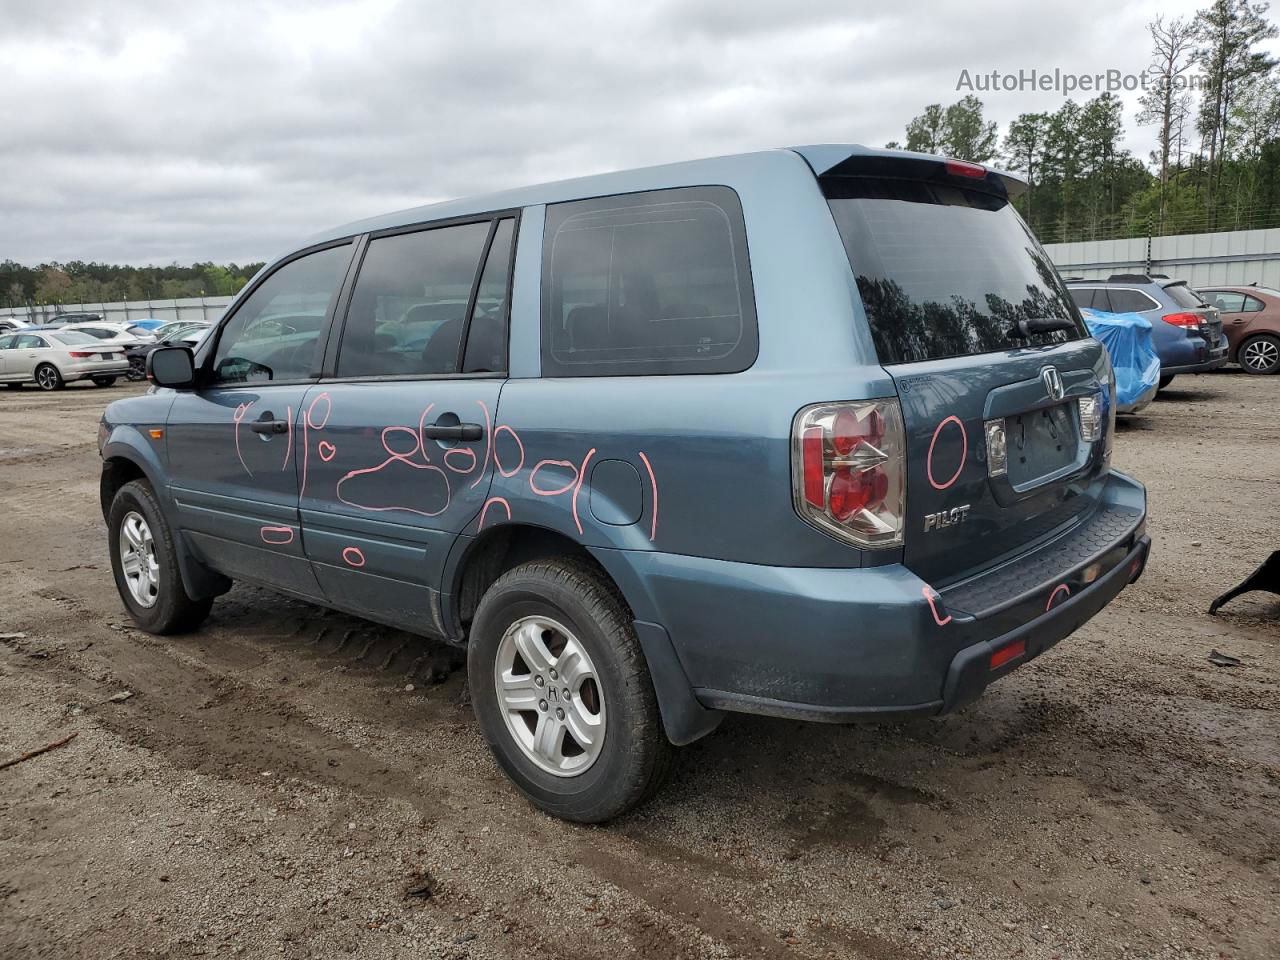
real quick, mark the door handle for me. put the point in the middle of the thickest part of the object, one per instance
(454, 431)
(268, 427)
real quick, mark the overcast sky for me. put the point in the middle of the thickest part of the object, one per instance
(157, 132)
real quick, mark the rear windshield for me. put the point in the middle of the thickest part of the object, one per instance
(73, 338)
(944, 271)
(1184, 296)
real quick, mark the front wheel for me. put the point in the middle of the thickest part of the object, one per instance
(48, 377)
(562, 692)
(145, 563)
(137, 369)
(1260, 354)
(103, 381)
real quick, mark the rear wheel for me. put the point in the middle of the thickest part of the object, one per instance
(1165, 381)
(144, 561)
(1260, 354)
(48, 377)
(103, 381)
(137, 369)
(562, 693)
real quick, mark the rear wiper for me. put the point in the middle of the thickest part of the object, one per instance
(1026, 327)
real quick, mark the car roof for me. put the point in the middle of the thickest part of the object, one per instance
(820, 158)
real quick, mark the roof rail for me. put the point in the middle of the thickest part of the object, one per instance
(1128, 278)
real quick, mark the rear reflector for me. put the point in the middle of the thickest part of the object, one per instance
(1009, 652)
(962, 168)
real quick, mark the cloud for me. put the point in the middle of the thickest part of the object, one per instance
(144, 132)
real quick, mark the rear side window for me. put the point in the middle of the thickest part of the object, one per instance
(1184, 296)
(945, 271)
(72, 338)
(1227, 302)
(1084, 297)
(1130, 301)
(647, 283)
(409, 305)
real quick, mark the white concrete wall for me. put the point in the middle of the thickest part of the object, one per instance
(193, 308)
(1202, 259)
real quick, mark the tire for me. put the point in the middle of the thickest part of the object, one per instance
(1260, 355)
(170, 609)
(103, 381)
(137, 369)
(48, 377)
(1165, 381)
(633, 756)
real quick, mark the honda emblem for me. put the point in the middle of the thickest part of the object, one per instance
(1052, 382)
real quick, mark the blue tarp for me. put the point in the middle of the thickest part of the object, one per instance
(1127, 337)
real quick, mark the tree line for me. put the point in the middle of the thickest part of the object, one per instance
(1216, 165)
(79, 282)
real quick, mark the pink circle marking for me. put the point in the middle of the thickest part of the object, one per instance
(559, 490)
(964, 451)
(353, 556)
(498, 460)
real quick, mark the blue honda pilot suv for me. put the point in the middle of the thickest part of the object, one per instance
(813, 433)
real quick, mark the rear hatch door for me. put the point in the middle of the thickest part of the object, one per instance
(971, 320)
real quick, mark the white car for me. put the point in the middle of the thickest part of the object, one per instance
(10, 324)
(114, 334)
(52, 358)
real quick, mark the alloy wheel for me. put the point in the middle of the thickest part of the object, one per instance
(138, 559)
(47, 378)
(1260, 355)
(550, 696)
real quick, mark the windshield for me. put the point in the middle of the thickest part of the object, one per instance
(944, 271)
(1183, 295)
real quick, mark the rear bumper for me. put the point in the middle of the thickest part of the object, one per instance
(82, 371)
(1207, 359)
(840, 645)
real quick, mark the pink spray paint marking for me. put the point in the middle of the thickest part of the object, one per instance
(422, 441)
(533, 476)
(288, 449)
(308, 424)
(1062, 587)
(497, 461)
(930, 594)
(582, 472)
(488, 443)
(236, 417)
(484, 512)
(326, 450)
(964, 452)
(455, 453)
(353, 556)
(405, 457)
(653, 485)
(276, 536)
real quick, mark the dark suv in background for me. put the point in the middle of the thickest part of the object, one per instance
(1185, 330)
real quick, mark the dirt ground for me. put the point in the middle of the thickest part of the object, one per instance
(279, 782)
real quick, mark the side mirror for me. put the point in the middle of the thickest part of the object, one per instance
(171, 367)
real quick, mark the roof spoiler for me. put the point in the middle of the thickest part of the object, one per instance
(839, 160)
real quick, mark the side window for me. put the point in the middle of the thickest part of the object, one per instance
(1102, 300)
(1081, 296)
(275, 333)
(1251, 305)
(487, 332)
(8, 343)
(647, 283)
(30, 342)
(1130, 301)
(409, 303)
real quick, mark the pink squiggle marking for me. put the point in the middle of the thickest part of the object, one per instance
(289, 428)
(460, 451)
(497, 462)
(582, 472)
(1053, 596)
(390, 460)
(326, 450)
(929, 594)
(309, 424)
(276, 536)
(236, 417)
(353, 556)
(485, 510)
(653, 485)
(964, 452)
(488, 443)
(533, 474)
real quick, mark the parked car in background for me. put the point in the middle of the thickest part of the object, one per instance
(148, 323)
(52, 358)
(1251, 320)
(643, 479)
(186, 334)
(117, 334)
(62, 319)
(1186, 331)
(175, 328)
(9, 324)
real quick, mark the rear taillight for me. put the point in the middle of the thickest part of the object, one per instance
(1182, 319)
(80, 355)
(1091, 418)
(847, 470)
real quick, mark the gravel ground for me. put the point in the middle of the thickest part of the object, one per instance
(290, 782)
